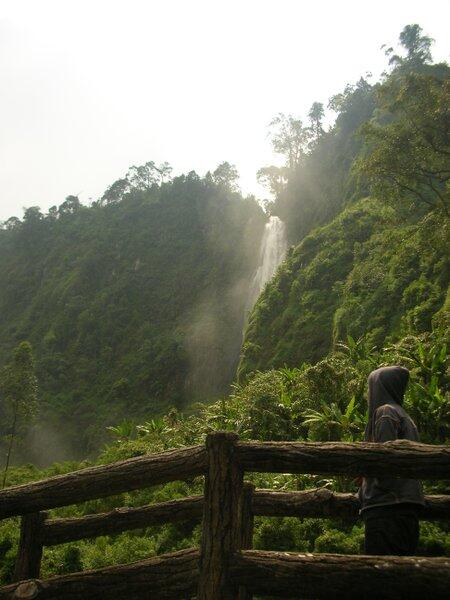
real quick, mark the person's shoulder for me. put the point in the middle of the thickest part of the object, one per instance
(387, 410)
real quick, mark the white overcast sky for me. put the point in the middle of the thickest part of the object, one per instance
(89, 88)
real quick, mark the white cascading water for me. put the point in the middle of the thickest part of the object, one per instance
(272, 253)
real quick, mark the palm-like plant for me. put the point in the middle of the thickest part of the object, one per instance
(426, 400)
(359, 351)
(330, 423)
(429, 406)
(151, 427)
(123, 432)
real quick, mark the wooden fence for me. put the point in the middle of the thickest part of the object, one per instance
(225, 567)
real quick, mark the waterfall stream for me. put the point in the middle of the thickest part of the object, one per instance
(272, 252)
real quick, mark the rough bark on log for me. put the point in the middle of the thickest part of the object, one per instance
(58, 531)
(161, 578)
(321, 502)
(247, 514)
(105, 480)
(340, 577)
(318, 502)
(246, 532)
(400, 458)
(221, 518)
(29, 555)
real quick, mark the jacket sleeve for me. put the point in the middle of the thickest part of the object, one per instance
(387, 424)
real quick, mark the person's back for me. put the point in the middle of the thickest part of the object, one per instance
(389, 506)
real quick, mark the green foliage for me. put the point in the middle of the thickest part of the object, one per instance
(364, 274)
(132, 306)
(225, 176)
(428, 398)
(408, 143)
(290, 138)
(378, 272)
(18, 386)
(331, 423)
(270, 406)
(316, 114)
(417, 48)
(313, 190)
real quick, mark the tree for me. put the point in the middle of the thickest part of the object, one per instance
(164, 171)
(290, 138)
(116, 191)
(32, 215)
(52, 213)
(408, 148)
(18, 385)
(417, 48)
(347, 101)
(226, 175)
(11, 224)
(145, 176)
(70, 206)
(272, 177)
(316, 114)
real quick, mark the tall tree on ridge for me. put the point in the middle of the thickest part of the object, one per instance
(417, 48)
(290, 138)
(315, 115)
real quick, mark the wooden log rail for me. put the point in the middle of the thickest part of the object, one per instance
(102, 481)
(280, 574)
(225, 568)
(341, 577)
(59, 531)
(163, 577)
(322, 502)
(400, 458)
(317, 503)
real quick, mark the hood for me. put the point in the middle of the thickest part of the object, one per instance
(387, 385)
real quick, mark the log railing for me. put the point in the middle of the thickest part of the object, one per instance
(225, 567)
(102, 481)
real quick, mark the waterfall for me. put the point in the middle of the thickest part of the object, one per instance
(272, 252)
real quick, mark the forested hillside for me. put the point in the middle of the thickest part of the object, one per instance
(378, 266)
(133, 305)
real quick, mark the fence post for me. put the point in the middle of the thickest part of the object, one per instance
(221, 517)
(247, 522)
(28, 561)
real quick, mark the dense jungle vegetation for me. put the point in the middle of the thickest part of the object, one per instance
(124, 301)
(102, 297)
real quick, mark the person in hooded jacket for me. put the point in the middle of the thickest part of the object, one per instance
(390, 506)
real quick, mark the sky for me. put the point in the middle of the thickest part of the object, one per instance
(89, 88)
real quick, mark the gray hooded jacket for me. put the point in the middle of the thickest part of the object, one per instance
(389, 421)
